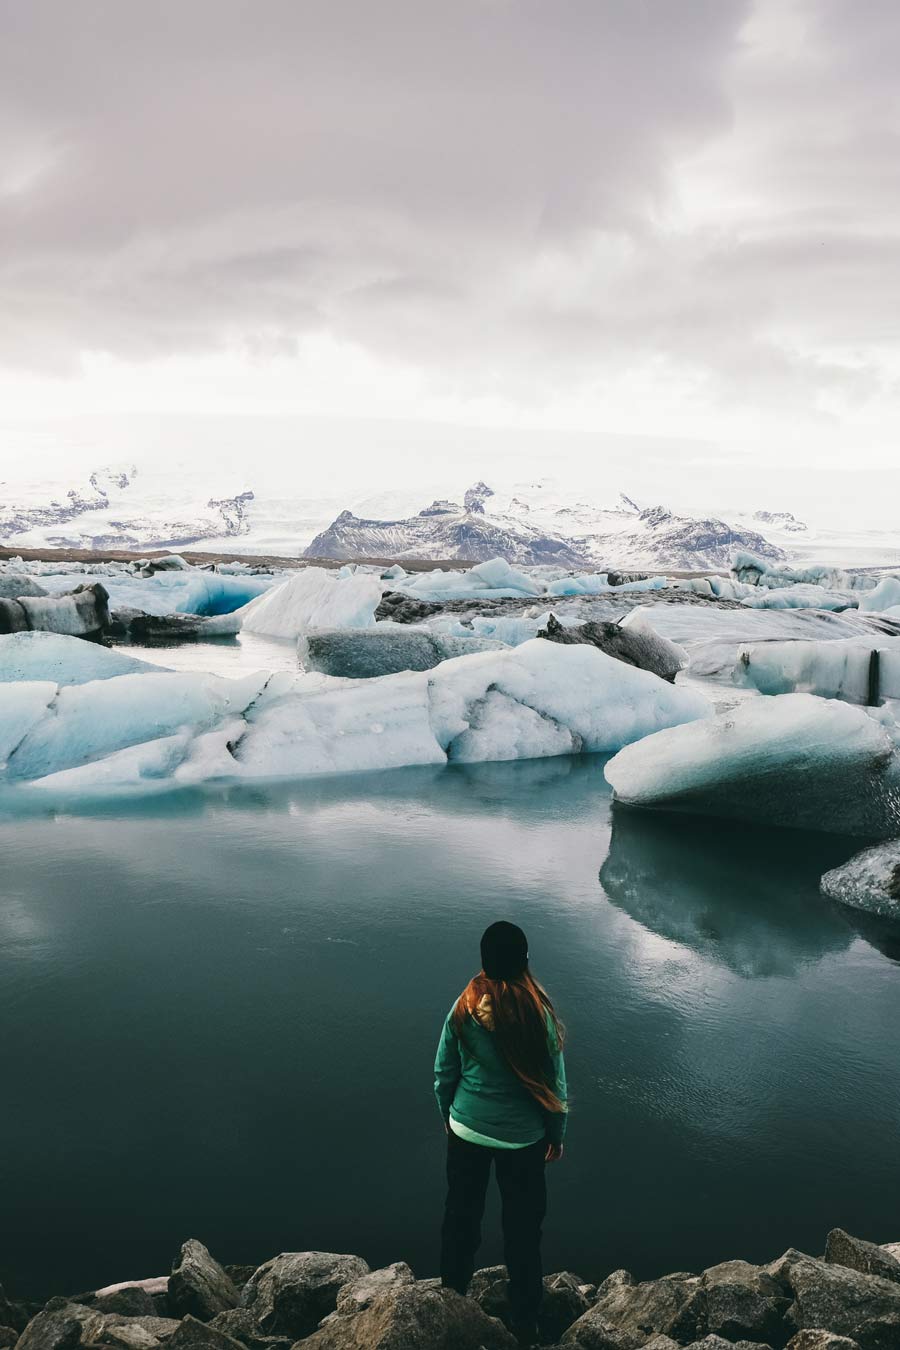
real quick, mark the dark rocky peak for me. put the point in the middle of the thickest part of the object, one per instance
(656, 515)
(786, 519)
(233, 511)
(476, 497)
(442, 506)
(628, 504)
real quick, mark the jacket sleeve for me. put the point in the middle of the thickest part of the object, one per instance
(447, 1068)
(555, 1121)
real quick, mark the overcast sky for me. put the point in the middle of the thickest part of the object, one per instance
(659, 238)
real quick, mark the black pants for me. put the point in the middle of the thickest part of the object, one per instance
(523, 1191)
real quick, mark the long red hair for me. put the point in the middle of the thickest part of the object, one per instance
(521, 1009)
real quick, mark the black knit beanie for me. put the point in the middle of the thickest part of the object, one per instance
(504, 951)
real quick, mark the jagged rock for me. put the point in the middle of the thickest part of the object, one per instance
(563, 1302)
(625, 578)
(359, 1293)
(843, 1250)
(661, 1343)
(138, 1333)
(635, 644)
(8, 1337)
(892, 1249)
(239, 1275)
(132, 1301)
(744, 1301)
(713, 1342)
(61, 1326)
(14, 584)
(779, 1269)
(593, 1331)
(14, 1313)
(413, 1317)
(677, 1308)
(198, 1285)
(835, 1298)
(192, 1334)
(291, 1294)
(615, 1280)
(405, 608)
(242, 1326)
(816, 1339)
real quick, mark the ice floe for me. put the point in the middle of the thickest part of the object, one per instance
(863, 669)
(385, 649)
(143, 730)
(869, 881)
(315, 597)
(65, 660)
(791, 760)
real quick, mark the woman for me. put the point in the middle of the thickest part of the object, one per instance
(500, 1083)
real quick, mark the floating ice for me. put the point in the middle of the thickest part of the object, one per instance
(21, 707)
(801, 596)
(151, 730)
(760, 572)
(314, 598)
(363, 653)
(65, 660)
(14, 584)
(793, 760)
(208, 593)
(83, 611)
(88, 721)
(862, 670)
(869, 881)
(885, 596)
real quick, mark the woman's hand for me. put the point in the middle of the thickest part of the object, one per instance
(554, 1153)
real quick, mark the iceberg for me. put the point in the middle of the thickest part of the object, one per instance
(633, 641)
(89, 721)
(791, 760)
(364, 653)
(62, 659)
(801, 596)
(314, 598)
(754, 571)
(869, 881)
(84, 611)
(884, 598)
(862, 670)
(208, 593)
(14, 584)
(146, 731)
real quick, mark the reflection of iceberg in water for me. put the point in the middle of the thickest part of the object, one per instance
(748, 899)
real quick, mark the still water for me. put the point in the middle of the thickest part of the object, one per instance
(219, 1014)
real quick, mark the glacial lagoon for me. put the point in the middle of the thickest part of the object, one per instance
(203, 995)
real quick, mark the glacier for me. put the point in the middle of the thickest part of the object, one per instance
(141, 731)
(789, 760)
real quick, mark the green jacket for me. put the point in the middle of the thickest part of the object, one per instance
(471, 1076)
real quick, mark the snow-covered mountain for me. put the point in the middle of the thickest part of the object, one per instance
(543, 521)
(536, 531)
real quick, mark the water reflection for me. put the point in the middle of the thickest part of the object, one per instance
(745, 898)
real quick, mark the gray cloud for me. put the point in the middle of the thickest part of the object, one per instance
(502, 192)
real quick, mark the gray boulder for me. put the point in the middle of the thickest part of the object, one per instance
(563, 1303)
(138, 1333)
(744, 1301)
(192, 1334)
(714, 1342)
(413, 1317)
(359, 1293)
(594, 1331)
(843, 1250)
(675, 1308)
(816, 1339)
(61, 1326)
(290, 1294)
(198, 1286)
(132, 1301)
(240, 1324)
(8, 1337)
(835, 1298)
(892, 1249)
(635, 643)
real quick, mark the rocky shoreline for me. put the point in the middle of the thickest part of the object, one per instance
(848, 1299)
